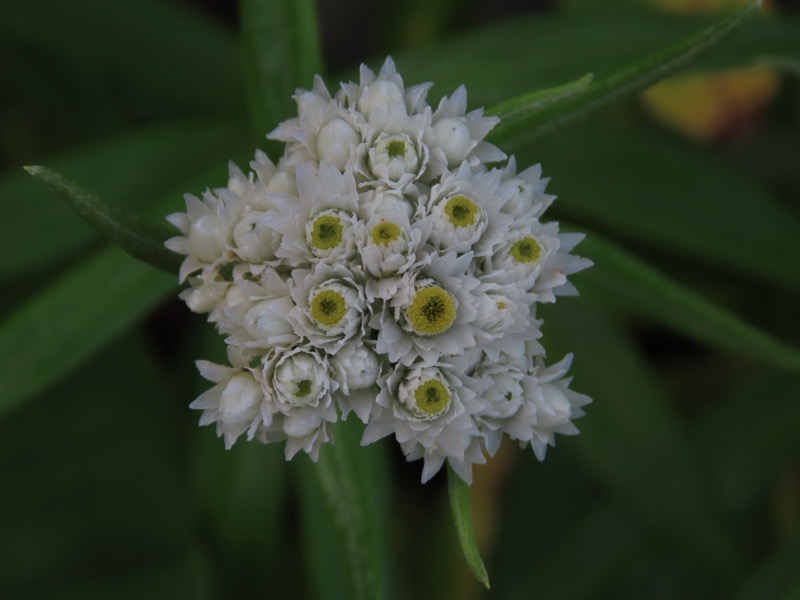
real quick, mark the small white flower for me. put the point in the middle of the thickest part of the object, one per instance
(206, 229)
(256, 320)
(356, 369)
(336, 143)
(457, 136)
(522, 195)
(298, 404)
(234, 403)
(254, 239)
(431, 313)
(429, 409)
(504, 319)
(320, 223)
(390, 246)
(464, 213)
(506, 408)
(330, 306)
(555, 404)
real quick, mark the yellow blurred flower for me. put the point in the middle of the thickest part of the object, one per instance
(711, 106)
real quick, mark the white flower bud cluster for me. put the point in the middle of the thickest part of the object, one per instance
(389, 266)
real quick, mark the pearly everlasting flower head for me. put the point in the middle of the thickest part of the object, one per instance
(389, 266)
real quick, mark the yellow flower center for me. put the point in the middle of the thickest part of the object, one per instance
(461, 211)
(526, 250)
(303, 388)
(328, 308)
(396, 148)
(326, 232)
(431, 397)
(501, 305)
(385, 233)
(431, 311)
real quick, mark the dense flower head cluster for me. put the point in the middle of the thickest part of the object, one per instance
(389, 266)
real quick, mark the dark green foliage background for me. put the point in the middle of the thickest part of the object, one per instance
(685, 481)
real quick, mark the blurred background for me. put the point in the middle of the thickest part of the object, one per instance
(685, 481)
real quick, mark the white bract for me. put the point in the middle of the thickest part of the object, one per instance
(389, 265)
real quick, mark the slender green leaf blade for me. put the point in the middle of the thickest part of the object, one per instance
(135, 170)
(281, 52)
(187, 67)
(647, 186)
(138, 237)
(514, 113)
(630, 80)
(96, 502)
(462, 519)
(601, 41)
(621, 280)
(743, 472)
(74, 316)
(353, 482)
(604, 542)
(634, 443)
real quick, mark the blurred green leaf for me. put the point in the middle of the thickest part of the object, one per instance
(188, 65)
(599, 41)
(778, 578)
(667, 194)
(240, 494)
(100, 296)
(462, 519)
(94, 502)
(603, 543)
(141, 239)
(134, 171)
(628, 81)
(74, 316)
(621, 280)
(281, 53)
(353, 482)
(747, 438)
(515, 113)
(633, 442)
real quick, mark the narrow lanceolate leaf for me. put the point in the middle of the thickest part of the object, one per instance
(462, 519)
(514, 112)
(352, 482)
(628, 81)
(71, 318)
(281, 52)
(136, 236)
(621, 279)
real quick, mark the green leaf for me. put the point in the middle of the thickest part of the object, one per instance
(619, 279)
(96, 503)
(628, 81)
(644, 185)
(281, 52)
(778, 578)
(188, 67)
(73, 317)
(768, 410)
(352, 480)
(135, 170)
(141, 239)
(633, 442)
(604, 542)
(516, 112)
(462, 519)
(240, 493)
(601, 42)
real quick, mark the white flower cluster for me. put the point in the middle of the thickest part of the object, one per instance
(386, 266)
